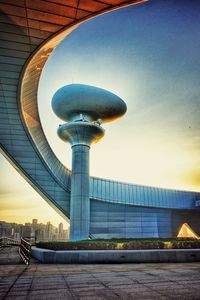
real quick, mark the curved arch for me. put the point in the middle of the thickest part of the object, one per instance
(30, 115)
(28, 96)
(30, 30)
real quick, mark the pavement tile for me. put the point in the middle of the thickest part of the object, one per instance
(93, 282)
(80, 290)
(96, 297)
(56, 296)
(2, 295)
(18, 293)
(186, 297)
(16, 297)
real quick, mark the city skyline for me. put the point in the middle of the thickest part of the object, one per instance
(33, 230)
(31, 222)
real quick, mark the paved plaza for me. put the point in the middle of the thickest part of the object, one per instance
(106, 281)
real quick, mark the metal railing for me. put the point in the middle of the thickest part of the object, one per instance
(25, 251)
(91, 236)
(6, 241)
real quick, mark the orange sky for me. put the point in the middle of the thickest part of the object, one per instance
(19, 202)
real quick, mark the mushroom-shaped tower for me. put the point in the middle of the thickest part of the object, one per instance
(84, 108)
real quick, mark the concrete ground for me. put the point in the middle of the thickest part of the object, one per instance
(108, 281)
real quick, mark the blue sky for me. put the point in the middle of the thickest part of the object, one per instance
(147, 54)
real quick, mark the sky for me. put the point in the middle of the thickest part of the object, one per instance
(148, 54)
(20, 203)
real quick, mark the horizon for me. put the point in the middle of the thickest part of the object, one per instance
(39, 223)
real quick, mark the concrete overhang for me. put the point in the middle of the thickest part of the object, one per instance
(29, 32)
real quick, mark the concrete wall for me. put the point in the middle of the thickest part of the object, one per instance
(115, 256)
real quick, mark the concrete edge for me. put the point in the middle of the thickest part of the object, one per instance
(115, 256)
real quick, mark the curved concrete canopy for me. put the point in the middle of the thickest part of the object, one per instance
(30, 31)
(33, 69)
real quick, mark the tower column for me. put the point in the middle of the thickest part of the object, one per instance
(80, 134)
(84, 108)
(80, 202)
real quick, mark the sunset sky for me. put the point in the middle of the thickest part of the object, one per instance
(148, 55)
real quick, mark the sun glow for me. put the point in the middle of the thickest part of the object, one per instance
(157, 141)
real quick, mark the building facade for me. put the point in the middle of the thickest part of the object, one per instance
(30, 30)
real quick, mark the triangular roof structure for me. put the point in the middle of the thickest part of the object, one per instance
(187, 232)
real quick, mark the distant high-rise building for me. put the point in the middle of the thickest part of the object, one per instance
(60, 231)
(35, 222)
(26, 230)
(66, 234)
(48, 231)
(34, 231)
